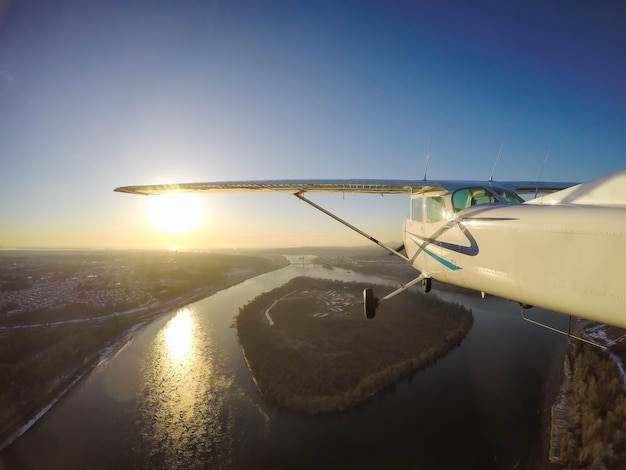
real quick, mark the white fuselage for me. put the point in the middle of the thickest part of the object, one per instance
(566, 258)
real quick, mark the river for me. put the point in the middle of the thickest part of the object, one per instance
(179, 395)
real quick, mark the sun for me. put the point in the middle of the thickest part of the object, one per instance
(175, 212)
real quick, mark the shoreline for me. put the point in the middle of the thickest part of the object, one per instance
(551, 390)
(383, 382)
(146, 315)
(591, 391)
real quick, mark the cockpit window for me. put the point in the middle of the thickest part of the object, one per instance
(509, 196)
(468, 197)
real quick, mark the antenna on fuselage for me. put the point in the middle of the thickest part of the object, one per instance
(496, 163)
(427, 159)
(545, 160)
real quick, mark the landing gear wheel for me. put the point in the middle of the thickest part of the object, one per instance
(427, 284)
(370, 303)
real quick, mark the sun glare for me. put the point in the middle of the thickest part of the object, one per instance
(175, 213)
(178, 334)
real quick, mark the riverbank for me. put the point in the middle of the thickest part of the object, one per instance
(318, 354)
(70, 351)
(551, 388)
(589, 412)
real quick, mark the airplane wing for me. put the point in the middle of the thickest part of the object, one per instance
(363, 186)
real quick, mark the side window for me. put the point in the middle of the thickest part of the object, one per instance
(435, 209)
(416, 209)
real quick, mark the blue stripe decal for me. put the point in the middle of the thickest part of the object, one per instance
(446, 263)
(471, 250)
(438, 258)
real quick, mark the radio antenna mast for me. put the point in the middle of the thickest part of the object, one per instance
(496, 163)
(427, 159)
(545, 160)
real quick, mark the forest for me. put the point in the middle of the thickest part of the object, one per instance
(318, 358)
(589, 416)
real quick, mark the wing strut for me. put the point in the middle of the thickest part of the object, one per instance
(404, 287)
(350, 226)
(567, 333)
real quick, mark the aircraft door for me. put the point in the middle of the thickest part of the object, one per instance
(414, 232)
(435, 217)
(430, 237)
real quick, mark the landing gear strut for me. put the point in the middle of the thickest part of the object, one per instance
(371, 302)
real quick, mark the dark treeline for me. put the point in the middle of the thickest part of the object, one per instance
(589, 418)
(322, 364)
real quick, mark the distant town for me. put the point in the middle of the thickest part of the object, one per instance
(77, 285)
(31, 283)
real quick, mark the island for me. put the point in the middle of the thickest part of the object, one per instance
(310, 349)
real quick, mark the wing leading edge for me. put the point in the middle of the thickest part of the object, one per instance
(363, 186)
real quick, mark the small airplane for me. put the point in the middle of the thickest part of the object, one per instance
(564, 250)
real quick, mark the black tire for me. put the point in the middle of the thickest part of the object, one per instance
(427, 284)
(370, 303)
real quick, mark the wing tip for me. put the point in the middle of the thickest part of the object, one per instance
(129, 190)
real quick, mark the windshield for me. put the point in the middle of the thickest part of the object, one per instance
(509, 196)
(468, 197)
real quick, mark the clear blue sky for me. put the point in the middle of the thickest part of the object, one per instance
(95, 95)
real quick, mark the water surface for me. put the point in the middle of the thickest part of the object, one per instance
(180, 396)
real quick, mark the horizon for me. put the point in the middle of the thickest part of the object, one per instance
(364, 246)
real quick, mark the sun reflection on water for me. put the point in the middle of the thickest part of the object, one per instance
(178, 335)
(184, 417)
